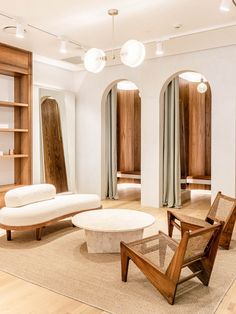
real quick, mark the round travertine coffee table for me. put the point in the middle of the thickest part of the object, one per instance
(105, 228)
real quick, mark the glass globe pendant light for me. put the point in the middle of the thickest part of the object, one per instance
(202, 87)
(132, 53)
(94, 60)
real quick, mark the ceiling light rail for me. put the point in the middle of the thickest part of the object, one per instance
(20, 31)
(132, 53)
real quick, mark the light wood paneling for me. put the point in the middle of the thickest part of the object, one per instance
(184, 127)
(128, 132)
(195, 132)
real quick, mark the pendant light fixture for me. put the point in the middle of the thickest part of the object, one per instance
(202, 87)
(94, 60)
(132, 52)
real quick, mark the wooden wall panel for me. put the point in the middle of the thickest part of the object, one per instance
(128, 131)
(137, 132)
(197, 126)
(195, 132)
(208, 132)
(184, 126)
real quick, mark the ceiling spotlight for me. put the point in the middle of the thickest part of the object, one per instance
(133, 53)
(225, 5)
(63, 46)
(94, 60)
(20, 30)
(202, 87)
(159, 49)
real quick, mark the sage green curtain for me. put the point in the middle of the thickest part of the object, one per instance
(111, 143)
(171, 147)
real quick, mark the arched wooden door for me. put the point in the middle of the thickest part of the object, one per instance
(53, 151)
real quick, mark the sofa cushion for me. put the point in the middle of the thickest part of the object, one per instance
(44, 211)
(29, 194)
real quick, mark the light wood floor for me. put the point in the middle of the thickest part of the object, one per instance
(20, 297)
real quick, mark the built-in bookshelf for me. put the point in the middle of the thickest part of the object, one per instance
(17, 63)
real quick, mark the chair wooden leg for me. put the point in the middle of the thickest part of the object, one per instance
(8, 232)
(227, 232)
(38, 234)
(124, 262)
(170, 225)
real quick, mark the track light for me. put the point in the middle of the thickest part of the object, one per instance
(225, 5)
(20, 30)
(159, 49)
(63, 46)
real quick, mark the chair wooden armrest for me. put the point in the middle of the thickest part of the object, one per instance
(222, 209)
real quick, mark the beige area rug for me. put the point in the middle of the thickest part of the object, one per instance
(60, 262)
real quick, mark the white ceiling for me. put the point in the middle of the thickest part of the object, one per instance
(87, 22)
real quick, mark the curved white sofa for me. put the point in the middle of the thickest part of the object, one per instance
(34, 207)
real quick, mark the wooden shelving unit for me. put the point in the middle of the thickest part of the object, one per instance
(14, 156)
(12, 104)
(14, 130)
(17, 63)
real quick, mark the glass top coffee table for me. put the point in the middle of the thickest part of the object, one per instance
(105, 228)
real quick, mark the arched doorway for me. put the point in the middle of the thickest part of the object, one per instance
(185, 143)
(121, 141)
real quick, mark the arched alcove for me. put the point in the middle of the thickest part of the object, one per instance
(103, 131)
(195, 123)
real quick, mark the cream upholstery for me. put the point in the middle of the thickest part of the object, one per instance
(46, 210)
(29, 194)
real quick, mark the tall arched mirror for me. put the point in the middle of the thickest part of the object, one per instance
(55, 139)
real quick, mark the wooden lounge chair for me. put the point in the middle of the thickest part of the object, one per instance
(222, 209)
(161, 258)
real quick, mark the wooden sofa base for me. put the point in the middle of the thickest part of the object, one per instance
(39, 227)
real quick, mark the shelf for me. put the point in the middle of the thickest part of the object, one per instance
(7, 187)
(14, 156)
(12, 104)
(15, 130)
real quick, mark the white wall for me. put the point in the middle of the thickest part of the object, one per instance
(217, 65)
(52, 81)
